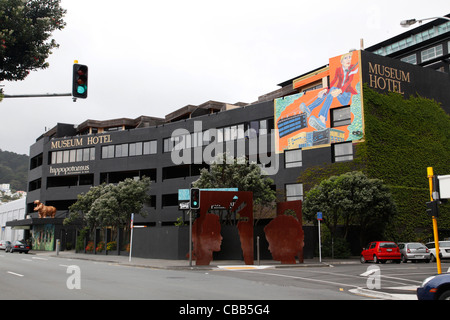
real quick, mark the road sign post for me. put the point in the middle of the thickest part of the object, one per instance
(432, 183)
(131, 237)
(319, 218)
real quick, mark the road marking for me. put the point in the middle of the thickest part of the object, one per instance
(309, 279)
(243, 267)
(15, 274)
(25, 259)
(39, 258)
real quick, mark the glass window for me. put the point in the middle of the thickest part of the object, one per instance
(79, 155)
(241, 131)
(219, 134)
(343, 152)
(294, 192)
(227, 133)
(293, 158)
(150, 147)
(341, 117)
(59, 157)
(66, 157)
(108, 152)
(263, 127)
(206, 137)
(92, 153)
(410, 59)
(168, 145)
(431, 53)
(253, 129)
(73, 155)
(86, 156)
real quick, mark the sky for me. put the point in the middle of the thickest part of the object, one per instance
(151, 58)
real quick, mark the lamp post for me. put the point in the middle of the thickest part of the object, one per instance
(410, 22)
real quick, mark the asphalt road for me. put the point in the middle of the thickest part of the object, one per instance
(27, 276)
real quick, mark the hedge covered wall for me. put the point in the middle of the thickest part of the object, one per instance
(402, 138)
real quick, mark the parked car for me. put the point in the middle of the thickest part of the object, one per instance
(4, 244)
(18, 246)
(435, 288)
(414, 251)
(444, 250)
(381, 251)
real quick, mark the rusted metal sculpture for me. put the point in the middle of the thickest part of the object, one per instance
(206, 236)
(43, 210)
(285, 233)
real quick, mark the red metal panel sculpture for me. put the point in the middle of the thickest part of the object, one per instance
(206, 236)
(285, 233)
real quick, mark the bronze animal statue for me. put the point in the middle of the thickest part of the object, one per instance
(43, 210)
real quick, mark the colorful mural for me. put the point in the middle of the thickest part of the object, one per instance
(304, 120)
(43, 237)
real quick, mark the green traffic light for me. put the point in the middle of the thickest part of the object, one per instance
(81, 89)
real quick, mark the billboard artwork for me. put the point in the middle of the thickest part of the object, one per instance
(325, 115)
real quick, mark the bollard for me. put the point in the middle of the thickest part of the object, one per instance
(58, 244)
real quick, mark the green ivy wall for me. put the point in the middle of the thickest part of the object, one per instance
(402, 138)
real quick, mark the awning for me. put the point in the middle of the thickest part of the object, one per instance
(28, 223)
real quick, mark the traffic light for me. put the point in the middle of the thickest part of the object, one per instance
(195, 198)
(432, 208)
(80, 81)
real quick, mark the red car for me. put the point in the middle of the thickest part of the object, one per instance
(381, 251)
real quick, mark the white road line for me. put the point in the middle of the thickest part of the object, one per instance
(303, 278)
(15, 274)
(39, 258)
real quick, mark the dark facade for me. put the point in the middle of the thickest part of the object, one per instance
(427, 46)
(68, 159)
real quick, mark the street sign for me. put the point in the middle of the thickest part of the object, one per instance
(319, 216)
(444, 187)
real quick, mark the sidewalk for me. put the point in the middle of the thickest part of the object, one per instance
(184, 264)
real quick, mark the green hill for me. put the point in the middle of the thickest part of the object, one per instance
(14, 170)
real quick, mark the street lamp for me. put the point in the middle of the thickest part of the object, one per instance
(410, 22)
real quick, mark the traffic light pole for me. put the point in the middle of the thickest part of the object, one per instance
(38, 95)
(45, 95)
(435, 228)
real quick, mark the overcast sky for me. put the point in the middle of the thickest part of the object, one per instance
(150, 57)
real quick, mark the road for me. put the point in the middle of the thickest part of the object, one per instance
(28, 276)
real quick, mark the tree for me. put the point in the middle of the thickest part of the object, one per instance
(110, 205)
(350, 199)
(238, 173)
(25, 30)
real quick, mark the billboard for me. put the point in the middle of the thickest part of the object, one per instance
(326, 115)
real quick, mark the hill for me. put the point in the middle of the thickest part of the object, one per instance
(14, 170)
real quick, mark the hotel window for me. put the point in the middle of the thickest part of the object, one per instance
(342, 152)
(294, 192)
(135, 149)
(108, 152)
(431, 53)
(150, 147)
(121, 150)
(73, 155)
(410, 59)
(293, 158)
(341, 117)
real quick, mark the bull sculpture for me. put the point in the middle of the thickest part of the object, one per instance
(43, 210)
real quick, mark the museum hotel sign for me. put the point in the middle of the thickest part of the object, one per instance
(80, 142)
